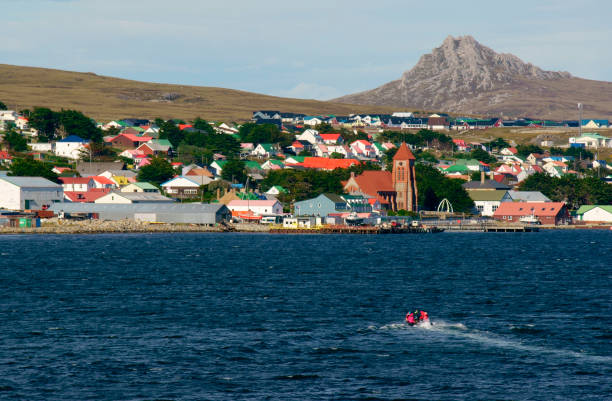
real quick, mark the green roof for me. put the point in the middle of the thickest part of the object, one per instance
(299, 159)
(467, 162)
(145, 185)
(487, 195)
(594, 135)
(268, 147)
(457, 168)
(585, 208)
(163, 142)
(280, 189)
(252, 165)
(277, 162)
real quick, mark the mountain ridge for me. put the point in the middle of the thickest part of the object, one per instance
(106, 98)
(464, 76)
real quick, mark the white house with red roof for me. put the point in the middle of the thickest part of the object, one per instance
(85, 197)
(5, 158)
(102, 182)
(363, 148)
(332, 139)
(77, 184)
(259, 207)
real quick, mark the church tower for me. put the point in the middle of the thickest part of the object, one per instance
(404, 180)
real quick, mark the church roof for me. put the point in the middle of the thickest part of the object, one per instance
(373, 181)
(403, 153)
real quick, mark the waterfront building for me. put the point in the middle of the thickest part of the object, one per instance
(551, 213)
(23, 193)
(595, 213)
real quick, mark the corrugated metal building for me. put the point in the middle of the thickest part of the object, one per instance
(195, 213)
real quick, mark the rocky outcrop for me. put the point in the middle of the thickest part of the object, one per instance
(466, 77)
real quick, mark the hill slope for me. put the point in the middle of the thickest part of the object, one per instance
(463, 76)
(106, 98)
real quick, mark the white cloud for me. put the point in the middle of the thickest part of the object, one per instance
(305, 90)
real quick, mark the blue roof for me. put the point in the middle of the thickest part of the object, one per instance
(74, 138)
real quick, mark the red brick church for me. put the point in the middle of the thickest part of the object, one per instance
(394, 189)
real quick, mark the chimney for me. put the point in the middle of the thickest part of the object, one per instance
(491, 175)
(482, 177)
(218, 193)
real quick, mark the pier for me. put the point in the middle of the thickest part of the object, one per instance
(338, 229)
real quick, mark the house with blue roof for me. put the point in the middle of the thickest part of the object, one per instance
(71, 147)
(595, 124)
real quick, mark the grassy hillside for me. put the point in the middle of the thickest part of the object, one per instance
(105, 98)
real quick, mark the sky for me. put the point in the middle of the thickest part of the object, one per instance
(315, 49)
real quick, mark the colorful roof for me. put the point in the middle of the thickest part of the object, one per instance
(585, 208)
(330, 137)
(328, 164)
(74, 180)
(86, 197)
(540, 209)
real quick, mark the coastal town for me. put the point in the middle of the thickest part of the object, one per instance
(295, 171)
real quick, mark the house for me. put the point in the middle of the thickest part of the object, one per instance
(181, 188)
(461, 145)
(550, 213)
(276, 190)
(595, 124)
(71, 147)
(363, 148)
(156, 147)
(5, 158)
(117, 197)
(85, 197)
(592, 140)
(322, 206)
(140, 187)
(512, 151)
(86, 169)
(24, 193)
(487, 202)
(103, 182)
(267, 115)
(312, 121)
(437, 123)
(264, 150)
(41, 146)
(536, 159)
(273, 165)
(490, 185)
(77, 184)
(193, 213)
(594, 213)
(128, 141)
(332, 139)
(257, 207)
(311, 136)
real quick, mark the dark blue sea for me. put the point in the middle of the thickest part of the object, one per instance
(306, 317)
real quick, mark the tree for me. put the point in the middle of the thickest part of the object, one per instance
(498, 144)
(45, 121)
(16, 141)
(74, 122)
(203, 125)
(336, 155)
(157, 172)
(168, 130)
(526, 150)
(263, 133)
(2, 106)
(482, 156)
(324, 128)
(31, 168)
(570, 189)
(433, 186)
(305, 153)
(234, 170)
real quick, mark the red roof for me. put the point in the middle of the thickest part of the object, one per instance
(540, 209)
(371, 182)
(183, 126)
(87, 197)
(330, 137)
(328, 164)
(74, 180)
(403, 153)
(102, 180)
(134, 138)
(5, 156)
(297, 144)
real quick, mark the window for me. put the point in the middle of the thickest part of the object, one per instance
(480, 208)
(495, 207)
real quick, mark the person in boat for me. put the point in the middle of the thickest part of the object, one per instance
(416, 317)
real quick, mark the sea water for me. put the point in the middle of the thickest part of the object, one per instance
(306, 317)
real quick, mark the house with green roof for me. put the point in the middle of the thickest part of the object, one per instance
(265, 150)
(595, 213)
(591, 140)
(471, 164)
(276, 190)
(486, 202)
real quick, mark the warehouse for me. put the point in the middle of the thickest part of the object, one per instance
(194, 213)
